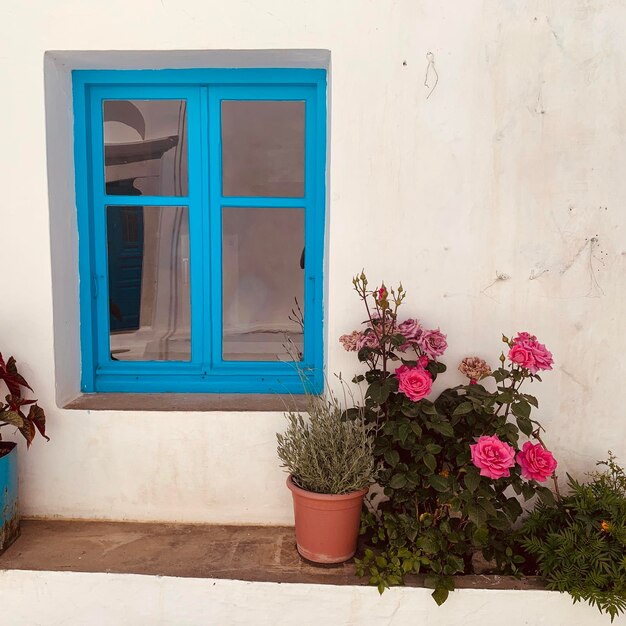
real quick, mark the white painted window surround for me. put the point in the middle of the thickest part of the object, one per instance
(59, 129)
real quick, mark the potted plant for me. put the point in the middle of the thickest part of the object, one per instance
(331, 465)
(13, 414)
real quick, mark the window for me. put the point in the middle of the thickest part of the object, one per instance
(201, 200)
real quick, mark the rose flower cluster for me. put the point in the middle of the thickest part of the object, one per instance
(493, 456)
(415, 382)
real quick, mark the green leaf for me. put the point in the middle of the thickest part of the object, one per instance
(392, 457)
(513, 508)
(547, 497)
(416, 428)
(486, 506)
(438, 482)
(433, 448)
(445, 428)
(476, 514)
(403, 432)
(499, 523)
(472, 480)
(532, 400)
(440, 595)
(456, 562)
(528, 491)
(521, 409)
(379, 392)
(506, 397)
(397, 481)
(525, 425)
(428, 409)
(410, 409)
(463, 408)
(481, 536)
(430, 462)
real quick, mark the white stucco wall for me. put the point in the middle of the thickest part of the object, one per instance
(514, 166)
(128, 600)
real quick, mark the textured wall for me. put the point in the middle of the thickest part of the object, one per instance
(512, 168)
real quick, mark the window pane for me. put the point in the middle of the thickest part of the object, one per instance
(263, 284)
(263, 148)
(149, 301)
(145, 147)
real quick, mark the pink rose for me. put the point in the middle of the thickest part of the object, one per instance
(527, 352)
(433, 343)
(493, 456)
(536, 462)
(543, 357)
(524, 337)
(521, 356)
(414, 382)
(410, 329)
(422, 361)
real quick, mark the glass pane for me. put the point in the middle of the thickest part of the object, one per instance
(145, 147)
(149, 301)
(263, 284)
(263, 148)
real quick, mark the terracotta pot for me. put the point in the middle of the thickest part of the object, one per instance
(327, 526)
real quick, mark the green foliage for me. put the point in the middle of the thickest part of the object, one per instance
(438, 509)
(328, 453)
(580, 542)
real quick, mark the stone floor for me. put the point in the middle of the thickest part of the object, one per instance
(252, 553)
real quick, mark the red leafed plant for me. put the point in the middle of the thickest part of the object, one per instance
(13, 412)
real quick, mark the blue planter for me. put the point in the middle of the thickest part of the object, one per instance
(9, 518)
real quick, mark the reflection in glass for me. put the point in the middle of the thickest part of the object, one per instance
(263, 148)
(263, 284)
(149, 301)
(145, 147)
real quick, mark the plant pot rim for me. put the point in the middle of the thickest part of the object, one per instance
(8, 444)
(324, 496)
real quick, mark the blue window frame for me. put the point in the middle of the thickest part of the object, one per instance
(114, 220)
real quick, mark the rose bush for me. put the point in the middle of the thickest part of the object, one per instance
(447, 462)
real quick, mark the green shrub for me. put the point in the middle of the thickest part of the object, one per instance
(580, 542)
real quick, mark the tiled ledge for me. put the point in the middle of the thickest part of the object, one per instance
(249, 553)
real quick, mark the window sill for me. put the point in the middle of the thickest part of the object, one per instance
(186, 402)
